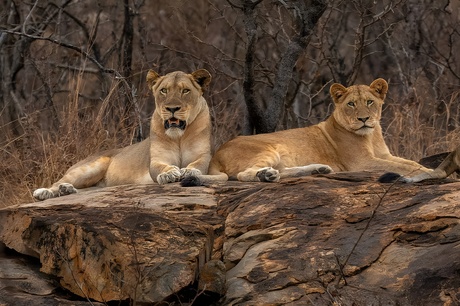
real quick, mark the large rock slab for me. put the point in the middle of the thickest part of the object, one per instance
(343, 239)
(337, 239)
(142, 243)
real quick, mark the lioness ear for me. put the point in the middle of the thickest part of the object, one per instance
(337, 90)
(380, 86)
(202, 77)
(152, 78)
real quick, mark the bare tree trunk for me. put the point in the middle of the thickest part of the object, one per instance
(127, 42)
(12, 54)
(254, 110)
(308, 16)
(131, 109)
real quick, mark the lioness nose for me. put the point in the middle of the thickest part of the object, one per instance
(172, 109)
(363, 119)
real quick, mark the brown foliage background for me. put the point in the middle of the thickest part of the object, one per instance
(73, 72)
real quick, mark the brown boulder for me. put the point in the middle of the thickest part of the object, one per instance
(333, 239)
(343, 239)
(144, 243)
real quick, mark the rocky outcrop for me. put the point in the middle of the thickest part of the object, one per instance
(339, 239)
(143, 243)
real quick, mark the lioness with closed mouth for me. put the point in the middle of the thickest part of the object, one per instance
(179, 143)
(349, 140)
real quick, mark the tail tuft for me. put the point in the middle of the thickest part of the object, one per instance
(389, 177)
(190, 181)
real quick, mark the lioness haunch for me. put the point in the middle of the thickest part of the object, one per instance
(179, 144)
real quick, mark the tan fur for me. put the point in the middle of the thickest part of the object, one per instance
(167, 155)
(349, 140)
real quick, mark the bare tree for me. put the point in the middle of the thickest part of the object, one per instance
(306, 16)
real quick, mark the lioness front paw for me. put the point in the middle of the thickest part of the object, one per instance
(66, 189)
(322, 169)
(170, 176)
(185, 172)
(42, 194)
(268, 174)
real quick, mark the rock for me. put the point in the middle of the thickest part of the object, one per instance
(15, 276)
(212, 277)
(343, 239)
(22, 284)
(330, 239)
(143, 243)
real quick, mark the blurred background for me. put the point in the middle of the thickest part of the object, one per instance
(73, 72)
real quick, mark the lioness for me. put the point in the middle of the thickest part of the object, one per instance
(179, 142)
(349, 140)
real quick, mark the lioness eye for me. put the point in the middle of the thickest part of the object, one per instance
(351, 104)
(370, 102)
(185, 90)
(164, 91)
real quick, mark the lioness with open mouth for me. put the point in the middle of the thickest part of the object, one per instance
(179, 144)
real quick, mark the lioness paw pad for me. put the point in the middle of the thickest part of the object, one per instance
(66, 189)
(185, 172)
(169, 176)
(268, 175)
(322, 170)
(42, 194)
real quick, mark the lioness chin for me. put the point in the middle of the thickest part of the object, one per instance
(179, 143)
(349, 140)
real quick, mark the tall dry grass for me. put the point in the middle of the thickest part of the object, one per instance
(38, 158)
(419, 129)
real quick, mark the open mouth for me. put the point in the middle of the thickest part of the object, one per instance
(175, 123)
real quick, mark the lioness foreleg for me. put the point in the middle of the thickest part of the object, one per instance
(198, 167)
(305, 170)
(185, 172)
(82, 175)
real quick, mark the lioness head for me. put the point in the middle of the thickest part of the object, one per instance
(358, 108)
(178, 98)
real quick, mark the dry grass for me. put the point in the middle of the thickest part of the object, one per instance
(418, 129)
(38, 158)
